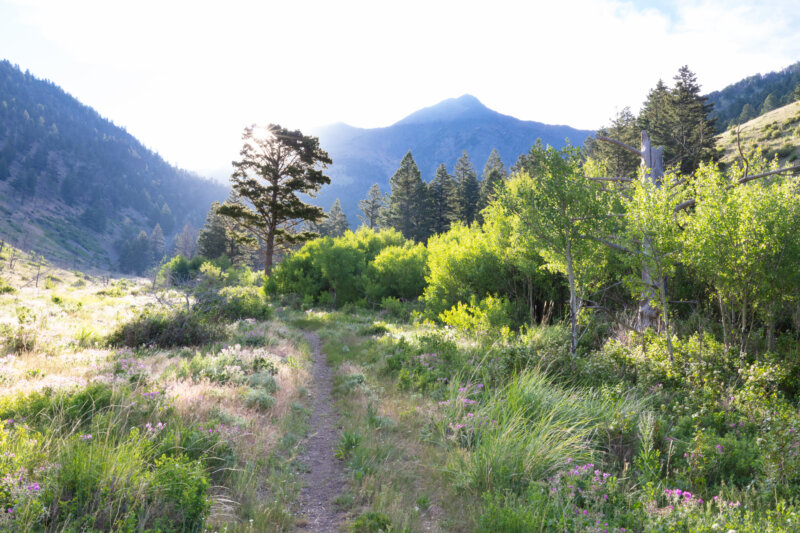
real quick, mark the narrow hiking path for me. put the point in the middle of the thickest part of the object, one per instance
(325, 479)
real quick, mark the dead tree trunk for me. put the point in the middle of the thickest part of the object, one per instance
(653, 170)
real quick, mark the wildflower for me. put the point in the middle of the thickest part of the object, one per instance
(88, 436)
(719, 448)
(34, 487)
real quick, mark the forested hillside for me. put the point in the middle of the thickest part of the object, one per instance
(76, 187)
(754, 96)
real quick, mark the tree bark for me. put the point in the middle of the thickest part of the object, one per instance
(573, 301)
(269, 253)
(653, 165)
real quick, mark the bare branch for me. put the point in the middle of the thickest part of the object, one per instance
(745, 179)
(607, 243)
(626, 180)
(739, 146)
(620, 144)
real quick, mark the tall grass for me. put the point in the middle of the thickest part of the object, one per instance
(525, 431)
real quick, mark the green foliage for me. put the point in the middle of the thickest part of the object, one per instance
(237, 302)
(259, 399)
(407, 205)
(5, 288)
(463, 263)
(559, 212)
(277, 164)
(168, 329)
(372, 206)
(335, 222)
(743, 242)
(397, 271)
(349, 268)
(179, 270)
(488, 316)
(372, 522)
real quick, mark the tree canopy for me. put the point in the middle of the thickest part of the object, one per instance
(276, 166)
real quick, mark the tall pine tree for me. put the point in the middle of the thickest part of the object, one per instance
(618, 161)
(443, 199)
(335, 223)
(468, 189)
(678, 119)
(406, 206)
(158, 244)
(372, 206)
(693, 133)
(494, 173)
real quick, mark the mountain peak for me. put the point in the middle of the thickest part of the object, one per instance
(452, 109)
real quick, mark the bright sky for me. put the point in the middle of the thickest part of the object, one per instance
(186, 77)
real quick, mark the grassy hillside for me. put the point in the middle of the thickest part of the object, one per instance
(776, 133)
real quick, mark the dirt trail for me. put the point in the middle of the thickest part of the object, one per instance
(325, 480)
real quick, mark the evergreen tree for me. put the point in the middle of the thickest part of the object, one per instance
(796, 94)
(748, 113)
(494, 173)
(770, 103)
(185, 243)
(335, 223)
(693, 132)
(654, 116)
(405, 210)
(468, 189)
(137, 255)
(166, 220)
(443, 200)
(678, 120)
(157, 243)
(5, 173)
(618, 161)
(372, 206)
(25, 184)
(212, 242)
(277, 164)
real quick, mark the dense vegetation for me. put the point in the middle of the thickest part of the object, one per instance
(92, 183)
(559, 405)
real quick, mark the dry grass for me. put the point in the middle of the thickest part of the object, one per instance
(72, 313)
(770, 132)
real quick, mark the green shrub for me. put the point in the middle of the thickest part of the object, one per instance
(372, 522)
(234, 303)
(395, 308)
(180, 487)
(259, 399)
(263, 380)
(330, 271)
(490, 315)
(224, 367)
(179, 270)
(5, 288)
(398, 271)
(168, 329)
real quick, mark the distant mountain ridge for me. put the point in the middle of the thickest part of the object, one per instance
(72, 184)
(436, 134)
